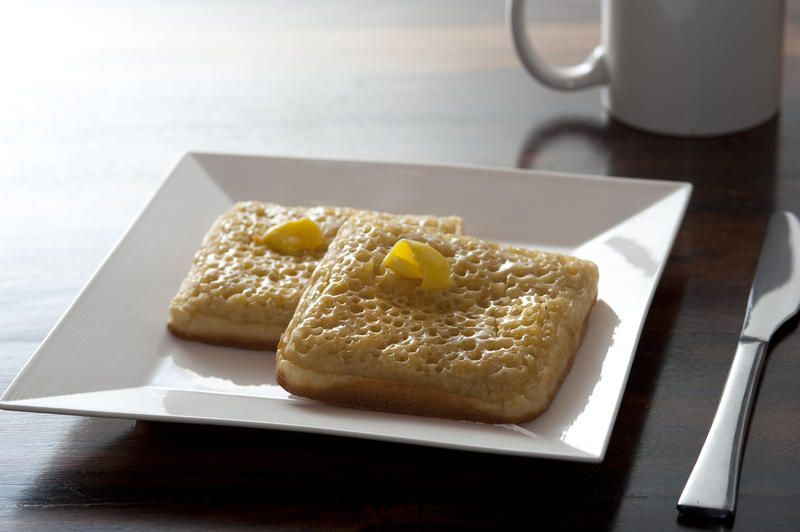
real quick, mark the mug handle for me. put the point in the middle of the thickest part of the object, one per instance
(587, 74)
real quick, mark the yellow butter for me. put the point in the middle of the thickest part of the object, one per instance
(417, 260)
(401, 261)
(294, 236)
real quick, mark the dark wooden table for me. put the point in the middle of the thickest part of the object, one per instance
(98, 99)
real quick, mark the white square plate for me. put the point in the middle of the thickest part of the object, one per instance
(111, 355)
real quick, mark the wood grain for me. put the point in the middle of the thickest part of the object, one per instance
(97, 101)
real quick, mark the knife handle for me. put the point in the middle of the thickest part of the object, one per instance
(714, 481)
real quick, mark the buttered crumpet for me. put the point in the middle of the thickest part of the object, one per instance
(402, 319)
(247, 277)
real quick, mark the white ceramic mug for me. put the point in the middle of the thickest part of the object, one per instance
(677, 67)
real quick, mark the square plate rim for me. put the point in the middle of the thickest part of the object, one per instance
(672, 186)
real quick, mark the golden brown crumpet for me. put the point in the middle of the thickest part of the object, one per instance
(240, 291)
(492, 346)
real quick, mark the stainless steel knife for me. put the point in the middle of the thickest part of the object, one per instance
(774, 298)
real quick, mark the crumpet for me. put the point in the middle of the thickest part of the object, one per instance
(494, 345)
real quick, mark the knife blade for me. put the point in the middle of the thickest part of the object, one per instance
(774, 298)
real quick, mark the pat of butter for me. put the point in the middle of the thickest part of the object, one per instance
(417, 260)
(294, 237)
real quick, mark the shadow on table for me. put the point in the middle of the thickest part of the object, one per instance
(117, 471)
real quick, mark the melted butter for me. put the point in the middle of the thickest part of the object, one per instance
(417, 260)
(293, 237)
